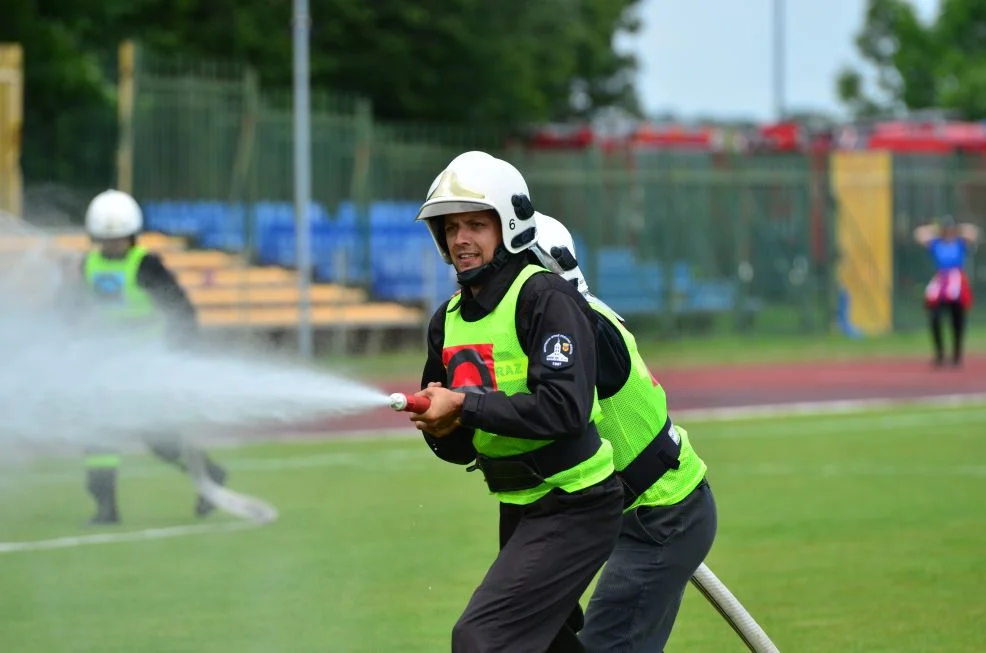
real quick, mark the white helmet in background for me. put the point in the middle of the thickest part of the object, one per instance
(556, 251)
(113, 214)
(477, 181)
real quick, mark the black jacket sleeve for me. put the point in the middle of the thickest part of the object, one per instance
(613, 358)
(456, 447)
(549, 312)
(168, 296)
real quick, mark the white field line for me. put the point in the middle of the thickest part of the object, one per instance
(850, 470)
(839, 406)
(125, 536)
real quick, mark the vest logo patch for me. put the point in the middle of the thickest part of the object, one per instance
(470, 368)
(108, 285)
(557, 351)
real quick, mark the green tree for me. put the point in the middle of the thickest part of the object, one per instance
(506, 62)
(920, 66)
(464, 60)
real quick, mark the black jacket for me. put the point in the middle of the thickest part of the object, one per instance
(560, 399)
(165, 291)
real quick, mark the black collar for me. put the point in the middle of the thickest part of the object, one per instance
(477, 306)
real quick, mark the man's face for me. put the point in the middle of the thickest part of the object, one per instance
(114, 247)
(472, 238)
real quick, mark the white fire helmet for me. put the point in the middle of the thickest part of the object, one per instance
(556, 251)
(113, 214)
(477, 181)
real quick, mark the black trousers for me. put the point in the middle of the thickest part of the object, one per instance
(101, 478)
(549, 553)
(957, 313)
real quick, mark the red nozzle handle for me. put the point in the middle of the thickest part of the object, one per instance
(417, 404)
(409, 403)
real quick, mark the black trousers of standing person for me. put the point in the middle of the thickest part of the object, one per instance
(957, 313)
(550, 551)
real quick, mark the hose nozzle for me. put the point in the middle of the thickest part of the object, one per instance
(409, 404)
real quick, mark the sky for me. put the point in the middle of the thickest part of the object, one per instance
(713, 58)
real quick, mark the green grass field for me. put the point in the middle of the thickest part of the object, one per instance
(859, 532)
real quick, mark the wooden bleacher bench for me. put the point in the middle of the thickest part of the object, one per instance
(384, 314)
(79, 242)
(236, 277)
(10, 244)
(372, 320)
(229, 294)
(262, 295)
(178, 260)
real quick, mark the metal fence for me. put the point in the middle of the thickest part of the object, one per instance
(690, 242)
(741, 241)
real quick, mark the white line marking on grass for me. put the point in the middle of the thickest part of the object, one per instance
(846, 406)
(844, 423)
(128, 536)
(849, 469)
(374, 460)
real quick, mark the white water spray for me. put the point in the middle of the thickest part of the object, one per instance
(63, 382)
(58, 381)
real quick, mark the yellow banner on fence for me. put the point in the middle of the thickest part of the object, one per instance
(11, 120)
(863, 186)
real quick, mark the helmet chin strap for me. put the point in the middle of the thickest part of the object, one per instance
(481, 274)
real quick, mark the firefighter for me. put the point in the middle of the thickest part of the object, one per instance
(127, 288)
(510, 374)
(670, 518)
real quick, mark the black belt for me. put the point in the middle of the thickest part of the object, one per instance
(529, 470)
(660, 455)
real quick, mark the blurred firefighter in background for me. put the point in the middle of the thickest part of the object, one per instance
(127, 288)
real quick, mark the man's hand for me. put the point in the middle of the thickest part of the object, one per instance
(442, 417)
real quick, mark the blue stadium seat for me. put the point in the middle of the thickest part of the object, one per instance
(400, 261)
(406, 266)
(171, 217)
(338, 253)
(638, 287)
(223, 226)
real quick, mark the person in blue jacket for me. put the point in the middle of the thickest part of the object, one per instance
(949, 290)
